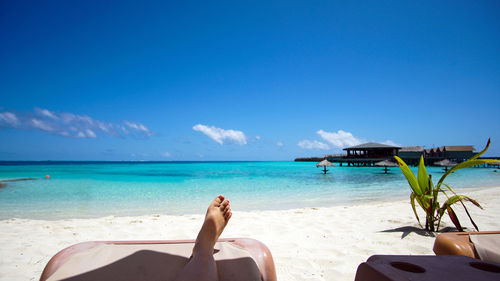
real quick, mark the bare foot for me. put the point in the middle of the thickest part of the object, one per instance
(216, 219)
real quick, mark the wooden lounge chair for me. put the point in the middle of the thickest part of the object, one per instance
(236, 259)
(460, 243)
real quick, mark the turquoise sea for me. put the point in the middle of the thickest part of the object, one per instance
(96, 189)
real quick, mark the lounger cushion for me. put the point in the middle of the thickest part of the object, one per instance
(487, 246)
(152, 262)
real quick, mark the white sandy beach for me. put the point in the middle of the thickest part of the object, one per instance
(307, 244)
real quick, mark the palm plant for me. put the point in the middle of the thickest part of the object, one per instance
(425, 193)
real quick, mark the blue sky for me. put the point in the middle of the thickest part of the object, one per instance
(253, 80)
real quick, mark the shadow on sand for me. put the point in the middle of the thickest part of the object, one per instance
(406, 230)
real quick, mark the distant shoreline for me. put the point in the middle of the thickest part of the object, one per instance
(79, 162)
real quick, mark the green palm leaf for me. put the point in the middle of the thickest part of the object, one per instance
(423, 179)
(412, 200)
(456, 198)
(410, 177)
(447, 206)
(482, 151)
(461, 198)
(454, 218)
(440, 215)
(426, 194)
(467, 212)
(466, 164)
(469, 163)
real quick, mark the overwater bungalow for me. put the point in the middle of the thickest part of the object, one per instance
(457, 153)
(411, 154)
(433, 152)
(372, 150)
(368, 154)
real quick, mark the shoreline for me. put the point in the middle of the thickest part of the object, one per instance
(282, 206)
(323, 243)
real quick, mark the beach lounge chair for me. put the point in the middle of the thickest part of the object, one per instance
(426, 268)
(459, 256)
(484, 245)
(236, 259)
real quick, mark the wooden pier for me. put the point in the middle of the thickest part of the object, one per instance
(366, 155)
(370, 162)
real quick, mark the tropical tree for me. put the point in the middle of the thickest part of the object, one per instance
(425, 193)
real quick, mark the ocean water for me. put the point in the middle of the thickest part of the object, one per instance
(96, 189)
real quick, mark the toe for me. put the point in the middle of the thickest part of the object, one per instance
(218, 200)
(224, 204)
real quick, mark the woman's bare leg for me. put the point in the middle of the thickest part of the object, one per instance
(202, 266)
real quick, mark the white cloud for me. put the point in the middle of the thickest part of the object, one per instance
(70, 118)
(339, 139)
(9, 118)
(307, 144)
(90, 133)
(71, 125)
(222, 136)
(257, 137)
(124, 130)
(105, 127)
(41, 125)
(67, 117)
(138, 127)
(46, 113)
(165, 154)
(389, 142)
(85, 134)
(342, 139)
(280, 144)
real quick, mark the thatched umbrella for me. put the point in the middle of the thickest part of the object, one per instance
(385, 164)
(445, 163)
(325, 163)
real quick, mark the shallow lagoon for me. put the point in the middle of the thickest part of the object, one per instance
(96, 189)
